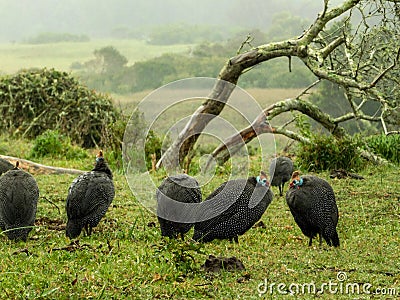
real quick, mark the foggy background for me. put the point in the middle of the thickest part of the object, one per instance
(22, 19)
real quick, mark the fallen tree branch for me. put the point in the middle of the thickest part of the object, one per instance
(35, 168)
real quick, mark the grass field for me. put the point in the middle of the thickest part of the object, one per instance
(126, 257)
(16, 56)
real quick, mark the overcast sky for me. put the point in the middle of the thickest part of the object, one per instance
(21, 19)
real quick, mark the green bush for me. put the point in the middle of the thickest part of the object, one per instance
(387, 146)
(52, 143)
(112, 139)
(47, 144)
(34, 101)
(153, 146)
(327, 153)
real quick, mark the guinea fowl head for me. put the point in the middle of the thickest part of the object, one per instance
(101, 165)
(296, 180)
(262, 179)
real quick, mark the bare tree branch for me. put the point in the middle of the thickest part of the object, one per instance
(384, 72)
(324, 58)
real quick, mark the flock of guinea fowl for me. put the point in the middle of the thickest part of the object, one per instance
(228, 212)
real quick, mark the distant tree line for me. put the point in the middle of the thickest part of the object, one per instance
(109, 71)
(54, 37)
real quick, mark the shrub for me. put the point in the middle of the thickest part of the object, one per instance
(327, 153)
(153, 146)
(52, 143)
(387, 146)
(34, 101)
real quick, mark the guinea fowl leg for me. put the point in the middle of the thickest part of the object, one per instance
(86, 228)
(310, 242)
(320, 239)
(281, 190)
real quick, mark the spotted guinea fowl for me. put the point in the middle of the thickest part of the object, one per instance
(89, 197)
(280, 171)
(312, 203)
(245, 200)
(5, 165)
(19, 195)
(181, 188)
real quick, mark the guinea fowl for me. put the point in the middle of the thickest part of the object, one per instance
(280, 171)
(19, 195)
(89, 197)
(246, 201)
(181, 188)
(312, 203)
(5, 165)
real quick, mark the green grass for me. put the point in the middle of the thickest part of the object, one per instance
(126, 257)
(16, 56)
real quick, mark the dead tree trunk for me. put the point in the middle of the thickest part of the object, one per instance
(348, 58)
(234, 68)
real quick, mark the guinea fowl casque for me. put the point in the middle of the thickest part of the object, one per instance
(312, 203)
(89, 197)
(241, 214)
(181, 188)
(19, 194)
(280, 171)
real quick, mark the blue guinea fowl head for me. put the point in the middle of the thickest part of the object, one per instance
(99, 157)
(296, 180)
(101, 165)
(262, 179)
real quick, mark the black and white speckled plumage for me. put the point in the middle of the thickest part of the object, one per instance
(314, 209)
(19, 195)
(89, 197)
(182, 188)
(5, 165)
(280, 171)
(238, 217)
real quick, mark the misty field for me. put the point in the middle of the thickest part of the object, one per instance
(126, 257)
(16, 56)
(260, 99)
